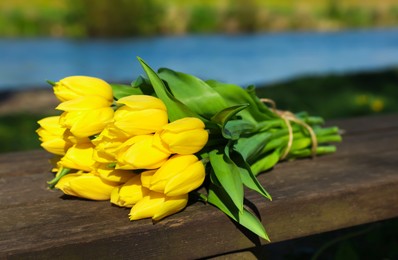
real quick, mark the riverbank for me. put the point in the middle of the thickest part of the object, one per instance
(32, 101)
(329, 96)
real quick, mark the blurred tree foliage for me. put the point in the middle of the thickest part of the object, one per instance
(241, 15)
(117, 18)
(126, 18)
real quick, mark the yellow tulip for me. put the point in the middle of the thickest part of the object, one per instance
(79, 157)
(129, 193)
(86, 185)
(139, 153)
(158, 206)
(53, 136)
(140, 115)
(179, 175)
(84, 103)
(74, 87)
(88, 122)
(183, 136)
(111, 174)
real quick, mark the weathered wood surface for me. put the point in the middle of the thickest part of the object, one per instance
(356, 185)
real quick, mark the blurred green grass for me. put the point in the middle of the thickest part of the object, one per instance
(17, 132)
(329, 96)
(338, 96)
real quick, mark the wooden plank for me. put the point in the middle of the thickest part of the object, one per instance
(356, 185)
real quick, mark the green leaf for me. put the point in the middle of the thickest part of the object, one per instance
(175, 108)
(120, 90)
(251, 222)
(251, 90)
(235, 95)
(144, 84)
(227, 173)
(219, 198)
(247, 176)
(250, 146)
(193, 92)
(233, 129)
(223, 116)
(266, 162)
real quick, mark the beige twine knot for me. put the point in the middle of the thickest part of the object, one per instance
(289, 117)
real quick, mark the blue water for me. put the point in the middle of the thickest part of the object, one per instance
(240, 59)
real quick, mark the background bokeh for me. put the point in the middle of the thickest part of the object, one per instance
(121, 18)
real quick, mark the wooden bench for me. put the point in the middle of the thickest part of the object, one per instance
(356, 185)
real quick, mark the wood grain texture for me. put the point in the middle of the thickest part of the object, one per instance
(354, 186)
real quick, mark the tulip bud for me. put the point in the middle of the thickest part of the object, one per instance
(86, 185)
(183, 136)
(79, 157)
(129, 193)
(140, 115)
(74, 87)
(179, 175)
(158, 206)
(53, 136)
(84, 103)
(88, 122)
(139, 153)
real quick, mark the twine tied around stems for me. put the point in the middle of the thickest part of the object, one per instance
(289, 117)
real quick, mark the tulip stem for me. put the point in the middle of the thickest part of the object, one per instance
(61, 173)
(198, 196)
(205, 160)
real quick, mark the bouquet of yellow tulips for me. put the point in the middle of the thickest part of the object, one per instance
(148, 145)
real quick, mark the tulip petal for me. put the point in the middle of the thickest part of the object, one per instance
(147, 207)
(142, 102)
(188, 142)
(183, 136)
(79, 157)
(86, 186)
(185, 124)
(171, 168)
(129, 193)
(140, 122)
(187, 181)
(87, 123)
(141, 154)
(170, 206)
(84, 103)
